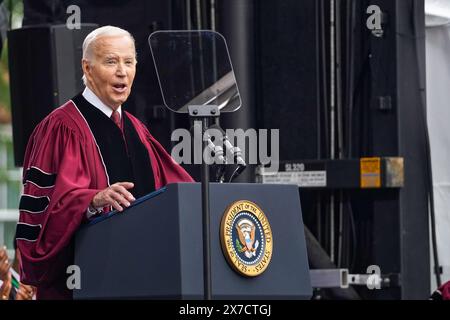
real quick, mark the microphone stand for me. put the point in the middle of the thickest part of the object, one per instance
(203, 113)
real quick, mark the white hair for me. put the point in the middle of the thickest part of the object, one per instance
(106, 31)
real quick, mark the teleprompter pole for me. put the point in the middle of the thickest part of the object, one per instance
(203, 113)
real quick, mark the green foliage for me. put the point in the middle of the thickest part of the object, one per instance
(17, 15)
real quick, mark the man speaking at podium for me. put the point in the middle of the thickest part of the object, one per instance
(86, 158)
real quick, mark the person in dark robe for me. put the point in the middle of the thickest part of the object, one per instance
(86, 158)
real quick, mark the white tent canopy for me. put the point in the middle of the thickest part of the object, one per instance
(437, 12)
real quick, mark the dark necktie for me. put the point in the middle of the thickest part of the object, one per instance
(116, 118)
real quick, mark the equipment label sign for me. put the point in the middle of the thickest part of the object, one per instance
(301, 178)
(370, 169)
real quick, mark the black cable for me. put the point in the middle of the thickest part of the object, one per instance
(346, 115)
(354, 239)
(319, 117)
(326, 226)
(188, 11)
(324, 94)
(324, 77)
(318, 100)
(351, 22)
(348, 232)
(204, 6)
(429, 168)
(348, 66)
(338, 72)
(351, 78)
(348, 236)
(340, 97)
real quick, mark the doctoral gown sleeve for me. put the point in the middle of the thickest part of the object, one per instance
(54, 201)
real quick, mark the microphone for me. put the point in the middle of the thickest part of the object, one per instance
(217, 151)
(234, 151)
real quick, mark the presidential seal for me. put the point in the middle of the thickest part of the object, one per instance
(246, 238)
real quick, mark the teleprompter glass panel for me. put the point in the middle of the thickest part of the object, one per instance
(194, 68)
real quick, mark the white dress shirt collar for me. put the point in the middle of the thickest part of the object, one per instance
(96, 102)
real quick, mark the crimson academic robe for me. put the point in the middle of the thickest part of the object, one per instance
(63, 170)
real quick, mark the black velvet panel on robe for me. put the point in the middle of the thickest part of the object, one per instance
(125, 159)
